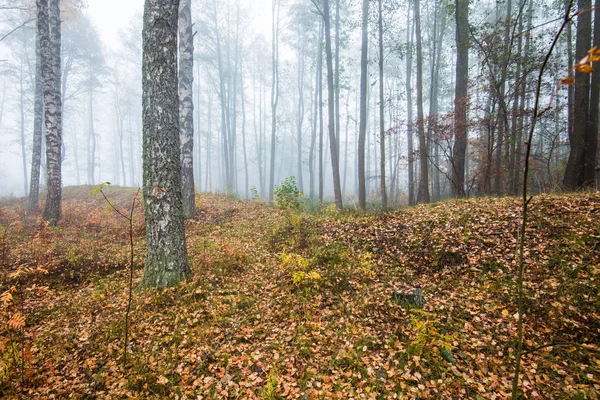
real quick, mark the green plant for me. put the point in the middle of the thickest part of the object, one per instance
(254, 193)
(287, 196)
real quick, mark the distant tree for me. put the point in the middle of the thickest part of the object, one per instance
(410, 126)
(276, 5)
(362, 130)
(423, 193)
(324, 10)
(384, 200)
(166, 252)
(186, 107)
(460, 98)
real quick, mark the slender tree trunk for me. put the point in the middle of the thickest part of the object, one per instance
(38, 121)
(333, 148)
(384, 199)
(243, 103)
(512, 170)
(409, 111)
(362, 187)
(347, 138)
(459, 151)
(22, 128)
(321, 130)
(315, 116)
(258, 134)
(571, 88)
(274, 92)
(337, 75)
(166, 252)
(91, 141)
(300, 117)
(423, 195)
(186, 107)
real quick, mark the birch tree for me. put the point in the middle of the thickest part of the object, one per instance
(186, 107)
(166, 252)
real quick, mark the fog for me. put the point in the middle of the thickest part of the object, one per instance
(233, 79)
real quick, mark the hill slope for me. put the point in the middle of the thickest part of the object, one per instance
(288, 305)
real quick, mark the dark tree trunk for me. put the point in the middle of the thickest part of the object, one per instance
(574, 172)
(384, 199)
(423, 194)
(362, 130)
(460, 98)
(409, 112)
(591, 132)
(333, 148)
(166, 252)
(186, 107)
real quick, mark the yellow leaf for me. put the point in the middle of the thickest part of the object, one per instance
(567, 81)
(6, 297)
(505, 312)
(585, 68)
(594, 58)
(593, 50)
(16, 321)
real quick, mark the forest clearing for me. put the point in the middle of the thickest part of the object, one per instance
(298, 304)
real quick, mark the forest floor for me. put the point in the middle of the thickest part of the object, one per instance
(287, 304)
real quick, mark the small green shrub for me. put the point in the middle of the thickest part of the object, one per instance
(287, 196)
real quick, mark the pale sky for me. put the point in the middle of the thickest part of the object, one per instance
(111, 16)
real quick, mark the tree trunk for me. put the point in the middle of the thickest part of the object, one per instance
(186, 107)
(333, 148)
(166, 252)
(38, 120)
(49, 31)
(362, 130)
(459, 151)
(384, 199)
(591, 132)
(321, 130)
(423, 194)
(337, 75)
(91, 142)
(22, 128)
(274, 93)
(574, 172)
(409, 111)
(300, 117)
(243, 103)
(315, 117)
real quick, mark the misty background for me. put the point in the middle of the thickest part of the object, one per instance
(101, 58)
